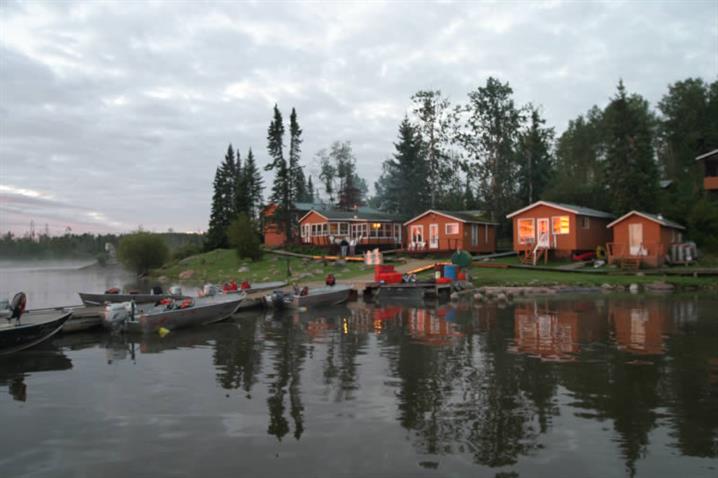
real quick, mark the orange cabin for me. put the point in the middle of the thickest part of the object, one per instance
(639, 235)
(559, 228)
(434, 231)
(710, 170)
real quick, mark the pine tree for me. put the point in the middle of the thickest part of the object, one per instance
(282, 187)
(310, 190)
(535, 161)
(298, 185)
(223, 201)
(630, 165)
(242, 200)
(254, 185)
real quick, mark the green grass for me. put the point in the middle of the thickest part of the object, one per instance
(505, 277)
(223, 265)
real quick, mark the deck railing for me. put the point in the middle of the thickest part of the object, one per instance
(621, 250)
(446, 244)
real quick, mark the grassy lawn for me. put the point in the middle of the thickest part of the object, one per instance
(485, 276)
(223, 265)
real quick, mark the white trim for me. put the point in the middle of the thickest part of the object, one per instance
(446, 228)
(311, 211)
(447, 215)
(706, 155)
(644, 216)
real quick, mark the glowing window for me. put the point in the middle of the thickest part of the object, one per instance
(560, 225)
(527, 232)
(451, 228)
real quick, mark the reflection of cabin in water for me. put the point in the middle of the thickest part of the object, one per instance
(560, 229)
(640, 326)
(642, 238)
(555, 331)
(432, 327)
(365, 227)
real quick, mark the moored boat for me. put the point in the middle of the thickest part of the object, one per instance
(116, 298)
(320, 296)
(179, 314)
(20, 330)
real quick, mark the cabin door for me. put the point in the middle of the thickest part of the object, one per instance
(434, 236)
(635, 238)
(543, 239)
(417, 236)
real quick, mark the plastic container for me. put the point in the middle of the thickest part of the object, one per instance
(451, 271)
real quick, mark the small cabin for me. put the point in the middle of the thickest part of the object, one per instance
(366, 228)
(559, 229)
(643, 237)
(443, 231)
(709, 163)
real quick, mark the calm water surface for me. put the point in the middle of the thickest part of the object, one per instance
(584, 386)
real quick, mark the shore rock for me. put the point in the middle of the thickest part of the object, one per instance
(243, 269)
(660, 287)
(634, 288)
(186, 274)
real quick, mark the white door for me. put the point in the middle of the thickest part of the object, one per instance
(544, 237)
(434, 236)
(635, 238)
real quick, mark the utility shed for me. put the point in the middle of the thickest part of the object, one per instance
(558, 228)
(644, 237)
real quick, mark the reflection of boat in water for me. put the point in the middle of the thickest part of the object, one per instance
(316, 297)
(14, 369)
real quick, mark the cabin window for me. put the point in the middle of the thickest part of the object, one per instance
(306, 230)
(343, 228)
(474, 234)
(333, 228)
(417, 233)
(451, 228)
(397, 232)
(560, 225)
(527, 231)
(585, 222)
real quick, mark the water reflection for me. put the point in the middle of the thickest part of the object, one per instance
(457, 385)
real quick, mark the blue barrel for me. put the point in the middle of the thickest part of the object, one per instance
(451, 271)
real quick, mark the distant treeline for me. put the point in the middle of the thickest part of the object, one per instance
(83, 245)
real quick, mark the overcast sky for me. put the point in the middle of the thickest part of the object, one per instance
(115, 115)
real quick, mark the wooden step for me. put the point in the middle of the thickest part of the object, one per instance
(630, 264)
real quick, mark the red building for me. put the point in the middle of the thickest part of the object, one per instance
(274, 235)
(643, 237)
(435, 231)
(560, 229)
(364, 227)
(709, 161)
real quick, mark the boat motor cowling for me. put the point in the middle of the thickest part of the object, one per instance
(117, 315)
(17, 305)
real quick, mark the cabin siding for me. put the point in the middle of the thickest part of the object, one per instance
(597, 233)
(274, 235)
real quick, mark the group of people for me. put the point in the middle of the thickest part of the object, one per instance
(233, 287)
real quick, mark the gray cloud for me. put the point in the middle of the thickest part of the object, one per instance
(123, 110)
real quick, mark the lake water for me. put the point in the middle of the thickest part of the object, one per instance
(591, 386)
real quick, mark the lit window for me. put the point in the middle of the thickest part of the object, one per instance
(526, 231)
(452, 228)
(560, 225)
(333, 228)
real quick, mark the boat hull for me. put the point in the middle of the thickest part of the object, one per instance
(324, 296)
(151, 322)
(14, 338)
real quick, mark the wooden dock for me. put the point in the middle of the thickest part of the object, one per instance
(419, 290)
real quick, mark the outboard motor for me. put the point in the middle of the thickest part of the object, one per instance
(117, 315)
(175, 290)
(157, 290)
(278, 299)
(210, 290)
(17, 305)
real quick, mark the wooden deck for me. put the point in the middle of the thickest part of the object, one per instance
(409, 290)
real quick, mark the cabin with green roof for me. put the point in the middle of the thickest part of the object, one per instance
(447, 231)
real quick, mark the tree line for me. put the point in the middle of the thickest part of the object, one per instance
(491, 154)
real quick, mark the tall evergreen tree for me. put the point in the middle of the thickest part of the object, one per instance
(489, 140)
(282, 186)
(630, 162)
(242, 201)
(298, 186)
(254, 185)
(404, 186)
(310, 190)
(223, 201)
(535, 161)
(579, 171)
